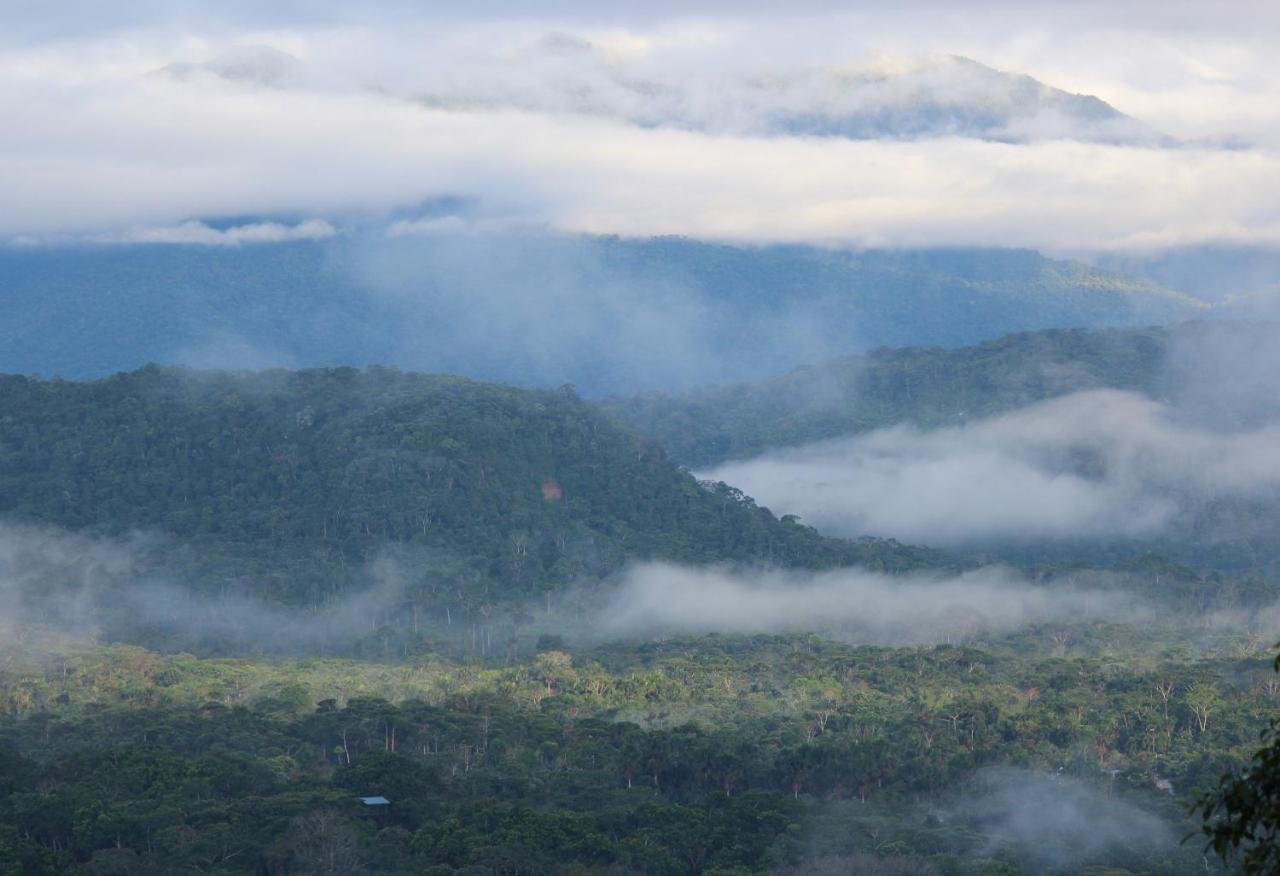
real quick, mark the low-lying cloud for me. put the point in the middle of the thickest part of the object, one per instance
(1093, 465)
(127, 588)
(658, 598)
(194, 233)
(137, 589)
(1054, 822)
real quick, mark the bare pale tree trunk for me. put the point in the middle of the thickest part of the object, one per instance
(1165, 689)
(325, 844)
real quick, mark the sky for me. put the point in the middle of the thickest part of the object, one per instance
(844, 125)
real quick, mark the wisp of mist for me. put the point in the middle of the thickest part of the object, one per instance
(86, 586)
(1054, 822)
(1091, 465)
(657, 598)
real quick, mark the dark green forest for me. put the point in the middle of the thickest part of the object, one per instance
(714, 755)
(236, 603)
(639, 439)
(304, 476)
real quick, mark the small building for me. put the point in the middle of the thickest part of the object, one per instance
(375, 801)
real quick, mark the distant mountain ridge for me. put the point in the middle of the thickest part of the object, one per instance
(927, 387)
(858, 98)
(606, 314)
(900, 99)
(1214, 370)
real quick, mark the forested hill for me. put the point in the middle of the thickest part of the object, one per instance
(930, 386)
(304, 474)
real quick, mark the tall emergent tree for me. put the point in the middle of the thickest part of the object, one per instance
(1242, 815)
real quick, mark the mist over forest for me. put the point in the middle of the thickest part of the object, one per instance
(668, 439)
(608, 315)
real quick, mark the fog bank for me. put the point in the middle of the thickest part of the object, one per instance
(657, 598)
(129, 588)
(1092, 465)
(1055, 822)
(848, 127)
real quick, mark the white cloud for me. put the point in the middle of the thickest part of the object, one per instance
(856, 604)
(1091, 465)
(153, 153)
(202, 234)
(662, 126)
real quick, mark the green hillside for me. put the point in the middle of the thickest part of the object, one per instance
(924, 386)
(298, 478)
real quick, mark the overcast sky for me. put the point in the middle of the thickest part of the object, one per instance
(124, 120)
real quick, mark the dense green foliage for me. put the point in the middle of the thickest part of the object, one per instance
(460, 537)
(690, 756)
(294, 480)
(1242, 814)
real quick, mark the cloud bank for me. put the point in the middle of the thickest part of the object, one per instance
(139, 589)
(657, 598)
(1092, 465)
(710, 123)
(125, 589)
(201, 234)
(1054, 823)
